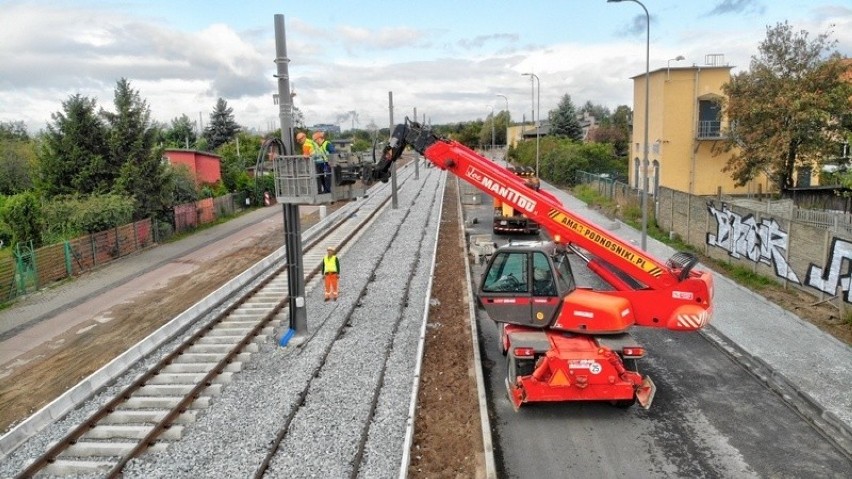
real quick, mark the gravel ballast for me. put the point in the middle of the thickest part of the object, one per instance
(232, 437)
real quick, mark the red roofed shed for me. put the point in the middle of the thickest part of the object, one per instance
(206, 167)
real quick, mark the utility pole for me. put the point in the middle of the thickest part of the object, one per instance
(492, 133)
(508, 116)
(394, 201)
(645, 164)
(417, 158)
(538, 115)
(292, 226)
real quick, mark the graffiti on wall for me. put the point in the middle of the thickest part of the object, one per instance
(743, 237)
(829, 278)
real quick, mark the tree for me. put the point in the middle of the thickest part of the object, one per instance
(17, 158)
(131, 136)
(501, 120)
(222, 127)
(562, 158)
(298, 118)
(21, 217)
(73, 157)
(612, 135)
(137, 162)
(600, 113)
(563, 120)
(466, 133)
(180, 134)
(17, 162)
(237, 156)
(785, 111)
(13, 130)
(182, 185)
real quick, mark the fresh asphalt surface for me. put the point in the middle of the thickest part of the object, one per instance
(711, 416)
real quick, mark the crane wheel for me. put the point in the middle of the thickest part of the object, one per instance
(624, 403)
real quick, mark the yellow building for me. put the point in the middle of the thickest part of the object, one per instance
(515, 133)
(685, 128)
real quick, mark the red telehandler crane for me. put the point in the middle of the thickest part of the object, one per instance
(564, 342)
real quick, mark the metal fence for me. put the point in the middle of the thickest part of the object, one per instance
(29, 269)
(612, 189)
(799, 248)
(783, 208)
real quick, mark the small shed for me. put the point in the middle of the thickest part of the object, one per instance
(206, 167)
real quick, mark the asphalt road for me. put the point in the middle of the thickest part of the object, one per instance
(710, 418)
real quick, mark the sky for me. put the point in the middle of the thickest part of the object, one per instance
(449, 60)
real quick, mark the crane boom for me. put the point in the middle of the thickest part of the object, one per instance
(662, 295)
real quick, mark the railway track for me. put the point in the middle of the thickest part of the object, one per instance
(151, 413)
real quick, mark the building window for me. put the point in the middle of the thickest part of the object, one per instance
(709, 119)
(636, 173)
(804, 178)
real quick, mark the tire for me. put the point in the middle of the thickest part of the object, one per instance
(509, 383)
(625, 403)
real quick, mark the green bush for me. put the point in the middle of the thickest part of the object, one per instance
(69, 216)
(21, 216)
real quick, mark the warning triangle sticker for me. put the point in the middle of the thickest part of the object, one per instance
(559, 379)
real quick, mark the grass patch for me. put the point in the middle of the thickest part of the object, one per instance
(745, 276)
(631, 214)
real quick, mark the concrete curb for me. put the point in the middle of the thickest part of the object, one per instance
(487, 440)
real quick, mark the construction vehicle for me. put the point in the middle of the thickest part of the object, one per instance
(507, 218)
(564, 342)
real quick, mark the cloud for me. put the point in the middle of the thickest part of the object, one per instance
(53, 53)
(481, 40)
(636, 27)
(391, 38)
(737, 6)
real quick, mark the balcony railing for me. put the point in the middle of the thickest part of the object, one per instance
(709, 130)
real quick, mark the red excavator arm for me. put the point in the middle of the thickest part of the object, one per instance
(669, 295)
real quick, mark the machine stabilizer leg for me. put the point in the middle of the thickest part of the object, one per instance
(645, 393)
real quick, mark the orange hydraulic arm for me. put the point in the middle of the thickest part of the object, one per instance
(668, 295)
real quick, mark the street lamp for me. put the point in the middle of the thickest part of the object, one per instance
(647, 93)
(507, 120)
(537, 115)
(492, 131)
(669, 62)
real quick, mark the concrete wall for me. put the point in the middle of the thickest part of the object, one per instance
(813, 259)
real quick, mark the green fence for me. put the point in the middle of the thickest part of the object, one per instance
(27, 269)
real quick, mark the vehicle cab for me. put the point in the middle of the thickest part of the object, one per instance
(524, 283)
(531, 284)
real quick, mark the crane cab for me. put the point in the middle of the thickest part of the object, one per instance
(525, 282)
(531, 284)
